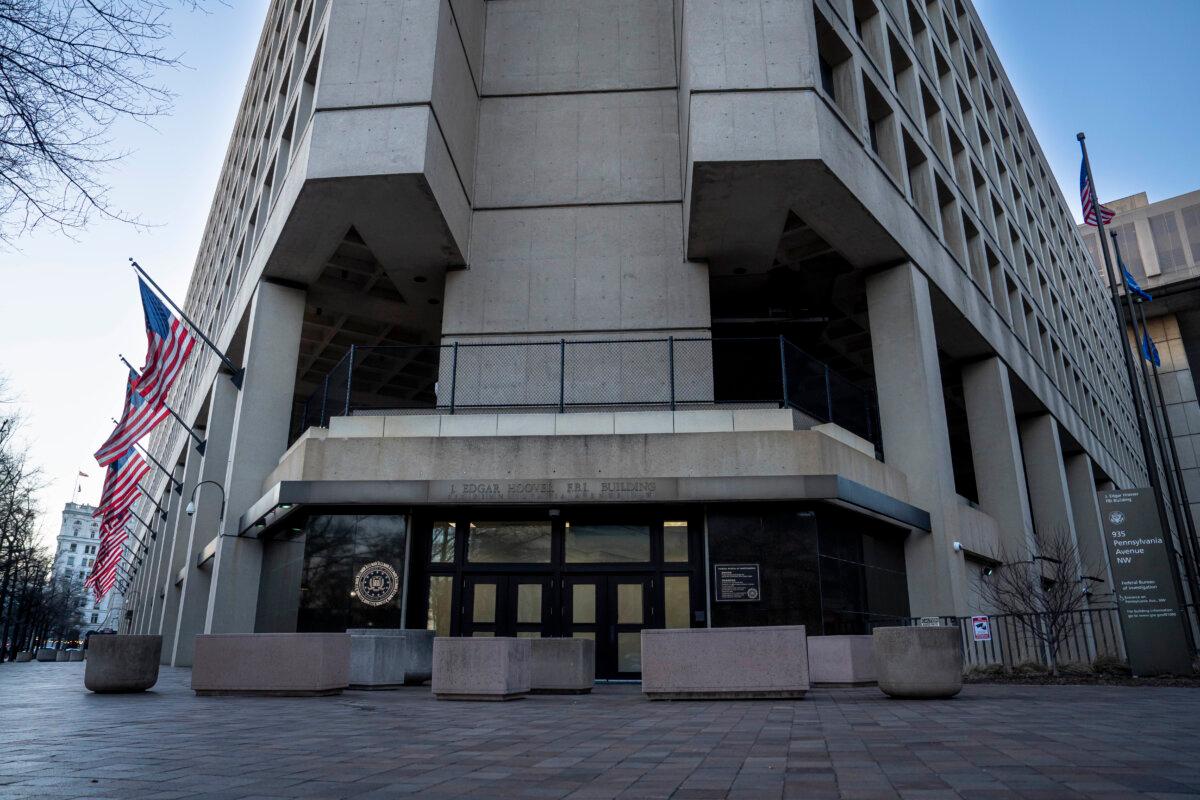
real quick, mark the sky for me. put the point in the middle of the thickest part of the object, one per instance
(69, 306)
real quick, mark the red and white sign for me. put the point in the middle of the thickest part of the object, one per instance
(982, 627)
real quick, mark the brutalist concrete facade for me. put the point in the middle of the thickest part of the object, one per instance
(854, 175)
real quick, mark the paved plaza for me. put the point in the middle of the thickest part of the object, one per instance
(59, 741)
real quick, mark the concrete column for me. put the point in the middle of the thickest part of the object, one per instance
(205, 525)
(159, 549)
(915, 437)
(1089, 529)
(1049, 499)
(996, 453)
(166, 537)
(260, 432)
(180, 526)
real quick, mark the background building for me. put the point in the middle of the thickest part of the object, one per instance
(1160, 244)
(554, 309)
(78, 539)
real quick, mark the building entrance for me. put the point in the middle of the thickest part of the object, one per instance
(598, 575)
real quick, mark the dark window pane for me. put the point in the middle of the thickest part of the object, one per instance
(441, 546)
(1165, 233)
(509, 543)
(607, 544)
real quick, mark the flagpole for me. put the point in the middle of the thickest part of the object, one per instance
(1177, 469)
(237, 373)
(161, 511)
(200, 442)
(153, 533)
(1140, 335)
(1139, 414)
(178, 486)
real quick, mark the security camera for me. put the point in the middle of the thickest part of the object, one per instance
(191, 508)
(986, 571)
(958, 547)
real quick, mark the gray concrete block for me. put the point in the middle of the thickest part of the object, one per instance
(562, 666)
(75, 655)
(919, 662)
(24, 657)
(62, 655)
(46, 654)
(122, 663)
(384, 658)
(481, 668)
(725, 663)
(288, 664)
(841, 660)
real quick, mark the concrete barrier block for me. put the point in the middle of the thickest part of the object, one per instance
(919, 662)
(841, 660)
(46, 654)
(384, 658)
(284, 664)
(725, 663)
(24, 657)
(62, 655)
(122, 663)
(484, 668)
(562, 666)
(75, 655)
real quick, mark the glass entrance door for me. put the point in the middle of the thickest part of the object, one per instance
(507, 605)
(611, 610)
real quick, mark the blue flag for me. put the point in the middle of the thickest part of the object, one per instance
(1149, 351)
(1131, 284)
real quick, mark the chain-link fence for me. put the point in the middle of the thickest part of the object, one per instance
(578, 375)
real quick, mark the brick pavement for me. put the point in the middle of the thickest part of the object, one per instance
(59, 741)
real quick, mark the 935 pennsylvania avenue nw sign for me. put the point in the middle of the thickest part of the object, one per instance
(1145, 584)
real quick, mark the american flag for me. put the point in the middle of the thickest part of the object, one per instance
(140, 417)
(108, 557)
(121, 483)
(1085, 195)
(168, 344)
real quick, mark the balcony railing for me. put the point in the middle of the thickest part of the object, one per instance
(574, 375)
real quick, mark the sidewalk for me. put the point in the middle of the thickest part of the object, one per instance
(59, 741)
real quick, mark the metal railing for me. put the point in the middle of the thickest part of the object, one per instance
(575, 375)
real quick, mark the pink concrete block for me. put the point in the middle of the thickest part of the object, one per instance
(271, 663)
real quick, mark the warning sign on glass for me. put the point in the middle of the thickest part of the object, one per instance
(737, 583)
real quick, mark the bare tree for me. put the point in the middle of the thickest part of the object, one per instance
(1043, 591)
(69, 69)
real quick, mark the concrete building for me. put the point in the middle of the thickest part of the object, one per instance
(78, 540)
(1160, 244)
(574, 317)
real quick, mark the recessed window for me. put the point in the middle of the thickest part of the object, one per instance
(675, 541)
(607, 544)
(509, 543)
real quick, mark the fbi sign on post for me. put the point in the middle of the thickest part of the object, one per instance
(1145, 584)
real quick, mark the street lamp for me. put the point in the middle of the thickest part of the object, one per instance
(191, 506)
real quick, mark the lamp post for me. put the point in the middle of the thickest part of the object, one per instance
(191, 506)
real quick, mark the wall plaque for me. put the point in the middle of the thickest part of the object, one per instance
(737, 583)
(1145, 585)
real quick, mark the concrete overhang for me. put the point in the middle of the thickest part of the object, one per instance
(287, 498)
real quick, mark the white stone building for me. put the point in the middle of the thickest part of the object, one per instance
(554, 307)
(78, 540)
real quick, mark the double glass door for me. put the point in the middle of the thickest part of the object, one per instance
(507, 605)
(612, 610)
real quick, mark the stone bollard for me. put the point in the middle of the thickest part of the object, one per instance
(122, 663)
(919, 662)
(841, 660)
(75, 655)
(385, 658)
(24, 657)
(62, 655)
(47, 654)
(562, 666)
(725, 663)
(484, 668)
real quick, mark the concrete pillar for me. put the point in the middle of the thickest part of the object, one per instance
(171, 501)
(1089, 530)
(1049, 499)
(915, 437)
(180, 526)
(260, 433)
(996, 453)
(205, 524)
